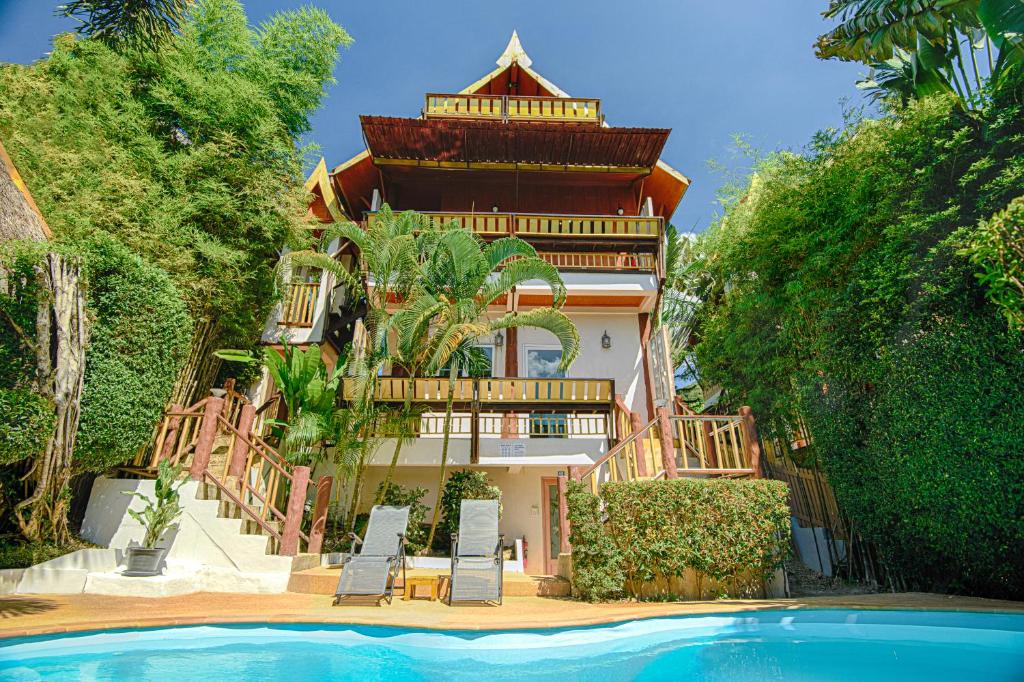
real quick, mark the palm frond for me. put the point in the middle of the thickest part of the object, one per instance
(554, 321)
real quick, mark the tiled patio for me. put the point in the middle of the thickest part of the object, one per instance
(42, 614)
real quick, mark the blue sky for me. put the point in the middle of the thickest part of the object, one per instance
(708, 70)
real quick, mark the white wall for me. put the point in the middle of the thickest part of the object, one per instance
(623, 362)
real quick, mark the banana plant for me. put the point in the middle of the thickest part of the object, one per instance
(160, 513)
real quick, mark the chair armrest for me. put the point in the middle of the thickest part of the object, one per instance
(402, 539)
(355, 538)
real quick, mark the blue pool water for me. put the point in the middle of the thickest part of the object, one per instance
(766, 645)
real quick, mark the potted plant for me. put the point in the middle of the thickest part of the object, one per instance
(156, 517)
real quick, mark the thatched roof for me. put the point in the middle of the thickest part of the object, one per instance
(19, 216)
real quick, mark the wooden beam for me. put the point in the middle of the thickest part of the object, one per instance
(645, 339)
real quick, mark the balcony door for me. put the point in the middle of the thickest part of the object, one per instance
(542, 363)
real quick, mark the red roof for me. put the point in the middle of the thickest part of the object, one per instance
(561, 144)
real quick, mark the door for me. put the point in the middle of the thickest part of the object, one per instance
(552, 524)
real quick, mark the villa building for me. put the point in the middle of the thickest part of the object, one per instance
(513, 154)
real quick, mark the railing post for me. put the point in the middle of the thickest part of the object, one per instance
(293, 514)
(240, 453)
(207, 433)
(166, 446)
(563, 514)
(635, 425)
(668, 449)
(749, 425)
(709, 443)
(319, 524)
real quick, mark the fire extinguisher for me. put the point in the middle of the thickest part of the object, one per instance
(525, 553)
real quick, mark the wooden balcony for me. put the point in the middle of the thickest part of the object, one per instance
(608, 262)
(513, 108)
(497, 392)
(300, 304)
(550, 226)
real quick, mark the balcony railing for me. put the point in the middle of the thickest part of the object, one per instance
(491, 392)
(540, 225)
(300, 304)
(571, 260)
(513, 108)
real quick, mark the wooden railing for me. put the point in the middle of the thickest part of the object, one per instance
(253, 476)
(492, 391)
(300, 304)
(556, 226)
(670, 446)
(511, 425)
(513, 108)
(572, 260)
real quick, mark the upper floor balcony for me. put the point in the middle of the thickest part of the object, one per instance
(513, 108)
(550, 226)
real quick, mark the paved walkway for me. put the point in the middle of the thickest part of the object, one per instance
(44, 614)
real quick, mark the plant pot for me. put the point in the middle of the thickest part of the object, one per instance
(144, 561)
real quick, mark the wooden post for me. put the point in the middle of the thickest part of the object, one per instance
(319, 525)
(474, 427)
(207, 434)
(636, 426)
(173, 424)
(645, 338)
(240, 454)
(563, 514)
(668, 449)
(749, 426)
(574, 473)
(709, 443)
(293, 514)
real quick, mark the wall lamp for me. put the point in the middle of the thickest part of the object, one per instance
(499, 339)
(606, 341)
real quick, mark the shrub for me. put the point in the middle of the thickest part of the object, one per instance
(596, 561)
(467, 484)
(731, 531)
(139, 340)
(26, 423)
(25, 554)
(400, 496)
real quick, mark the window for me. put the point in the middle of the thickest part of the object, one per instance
(485, 369)
(542, 363)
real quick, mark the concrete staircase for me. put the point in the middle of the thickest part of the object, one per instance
(215, 548)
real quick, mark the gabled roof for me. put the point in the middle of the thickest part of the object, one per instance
(356, 179)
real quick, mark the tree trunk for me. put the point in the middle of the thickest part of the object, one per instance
(453, 373)
(398, 446)
(62, 335)
(357, 485)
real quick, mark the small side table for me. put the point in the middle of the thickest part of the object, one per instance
(431, 581)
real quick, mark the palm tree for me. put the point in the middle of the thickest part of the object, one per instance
(389, 254)
(460, 279)
(139, 23)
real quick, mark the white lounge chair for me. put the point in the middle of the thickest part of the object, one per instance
(477, 559)
(374, 571)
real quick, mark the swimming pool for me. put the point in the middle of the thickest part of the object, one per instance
(764, 645)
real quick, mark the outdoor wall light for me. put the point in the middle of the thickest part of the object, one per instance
(620, 211)
(606, 341)
(499, 340)
(494, 209)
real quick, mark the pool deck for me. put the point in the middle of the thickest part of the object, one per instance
(48, 614)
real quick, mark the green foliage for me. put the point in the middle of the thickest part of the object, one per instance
(26, 424)
(20, 297)
(596, 562)
(141, 23)
(838, 291)
(139, 339)
(189, 157)
(726, 530)
(400, 496)
(161, 511)
(25, 554)
(998, 249)
(465, 484)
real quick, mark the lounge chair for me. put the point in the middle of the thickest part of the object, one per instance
(477, 558)
(373, 572)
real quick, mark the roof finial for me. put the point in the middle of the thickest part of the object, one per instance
(514, 53)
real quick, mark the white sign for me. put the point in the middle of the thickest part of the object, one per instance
(511, 448)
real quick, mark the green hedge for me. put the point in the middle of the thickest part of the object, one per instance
(139, 340)
(26, 423)
(466, 484)
(730, 531)
(596, 561)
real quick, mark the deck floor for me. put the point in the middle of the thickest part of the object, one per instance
(325, 581)
(45, 614)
